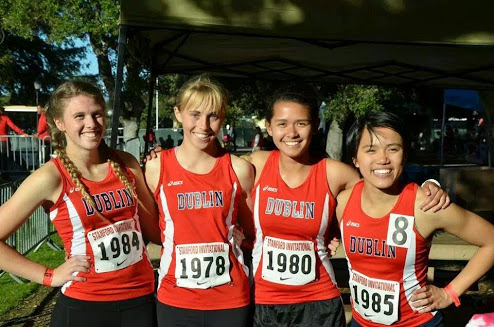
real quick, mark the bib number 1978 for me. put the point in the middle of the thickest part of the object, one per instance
(202, 265)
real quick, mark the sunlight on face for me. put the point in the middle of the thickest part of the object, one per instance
(380, 157)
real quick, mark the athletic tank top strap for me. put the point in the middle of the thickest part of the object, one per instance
(273, 159)
(404, 205)
(171, 167)
(66, 181)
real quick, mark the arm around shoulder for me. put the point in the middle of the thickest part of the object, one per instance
(340, 176)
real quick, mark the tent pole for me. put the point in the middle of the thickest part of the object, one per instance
(443, 126)
(152, 82)
(122, 41)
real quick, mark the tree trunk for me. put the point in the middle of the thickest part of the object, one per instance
(100, 49)
(334, 142)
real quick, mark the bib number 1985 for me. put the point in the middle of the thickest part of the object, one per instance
(375, 299)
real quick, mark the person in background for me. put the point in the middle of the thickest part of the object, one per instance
(257, 142)
(150, 138)
(168, 144)
(99, 203)
(387, 238)
(5, 148)
(43, 133)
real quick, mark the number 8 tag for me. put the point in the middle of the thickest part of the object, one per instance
(400, 230)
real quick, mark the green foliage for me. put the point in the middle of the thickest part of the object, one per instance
(61, 19)
(359, 99)
(23, 61)
(355, 99)
(13, 293)
(27, 53)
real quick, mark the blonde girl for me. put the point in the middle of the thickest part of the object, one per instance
(201, 192)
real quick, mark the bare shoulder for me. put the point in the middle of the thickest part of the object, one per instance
(420, 197)
(128, 160)
(343, 196)
(46, 178)
(342, 200)
(258, 159)
(337, 167)
(340, 176)
(240, 162)
(47, 174)
(242, 168)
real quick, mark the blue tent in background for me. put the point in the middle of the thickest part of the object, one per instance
(468, 99)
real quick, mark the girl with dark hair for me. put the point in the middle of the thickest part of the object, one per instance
(387, 237)
(97, 199)
(294, 201)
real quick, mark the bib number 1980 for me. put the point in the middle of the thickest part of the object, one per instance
(288, 262)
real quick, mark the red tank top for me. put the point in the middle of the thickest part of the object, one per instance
(387, 261)
(290, 258)
(121, 268)
(201, 268)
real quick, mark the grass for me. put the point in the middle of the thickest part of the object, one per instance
(12, 292)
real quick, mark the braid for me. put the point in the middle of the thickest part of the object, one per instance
(104, 148)
(74, 175)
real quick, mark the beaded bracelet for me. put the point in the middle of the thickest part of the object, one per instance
(452, 295)
(48, 278)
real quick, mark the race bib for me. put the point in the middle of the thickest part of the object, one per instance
(116, 246)
(375, 299)
(400, 230)
(288, 262)
(202, 265)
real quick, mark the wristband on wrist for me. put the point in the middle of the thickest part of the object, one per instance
(452, 295)
(432, 181)
(48, 278)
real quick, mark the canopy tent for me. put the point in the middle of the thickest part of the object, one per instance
(447, 44)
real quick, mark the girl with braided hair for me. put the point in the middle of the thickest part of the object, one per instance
(100, 206)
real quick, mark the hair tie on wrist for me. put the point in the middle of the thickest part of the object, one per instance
(48, 278)
(452, 295)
